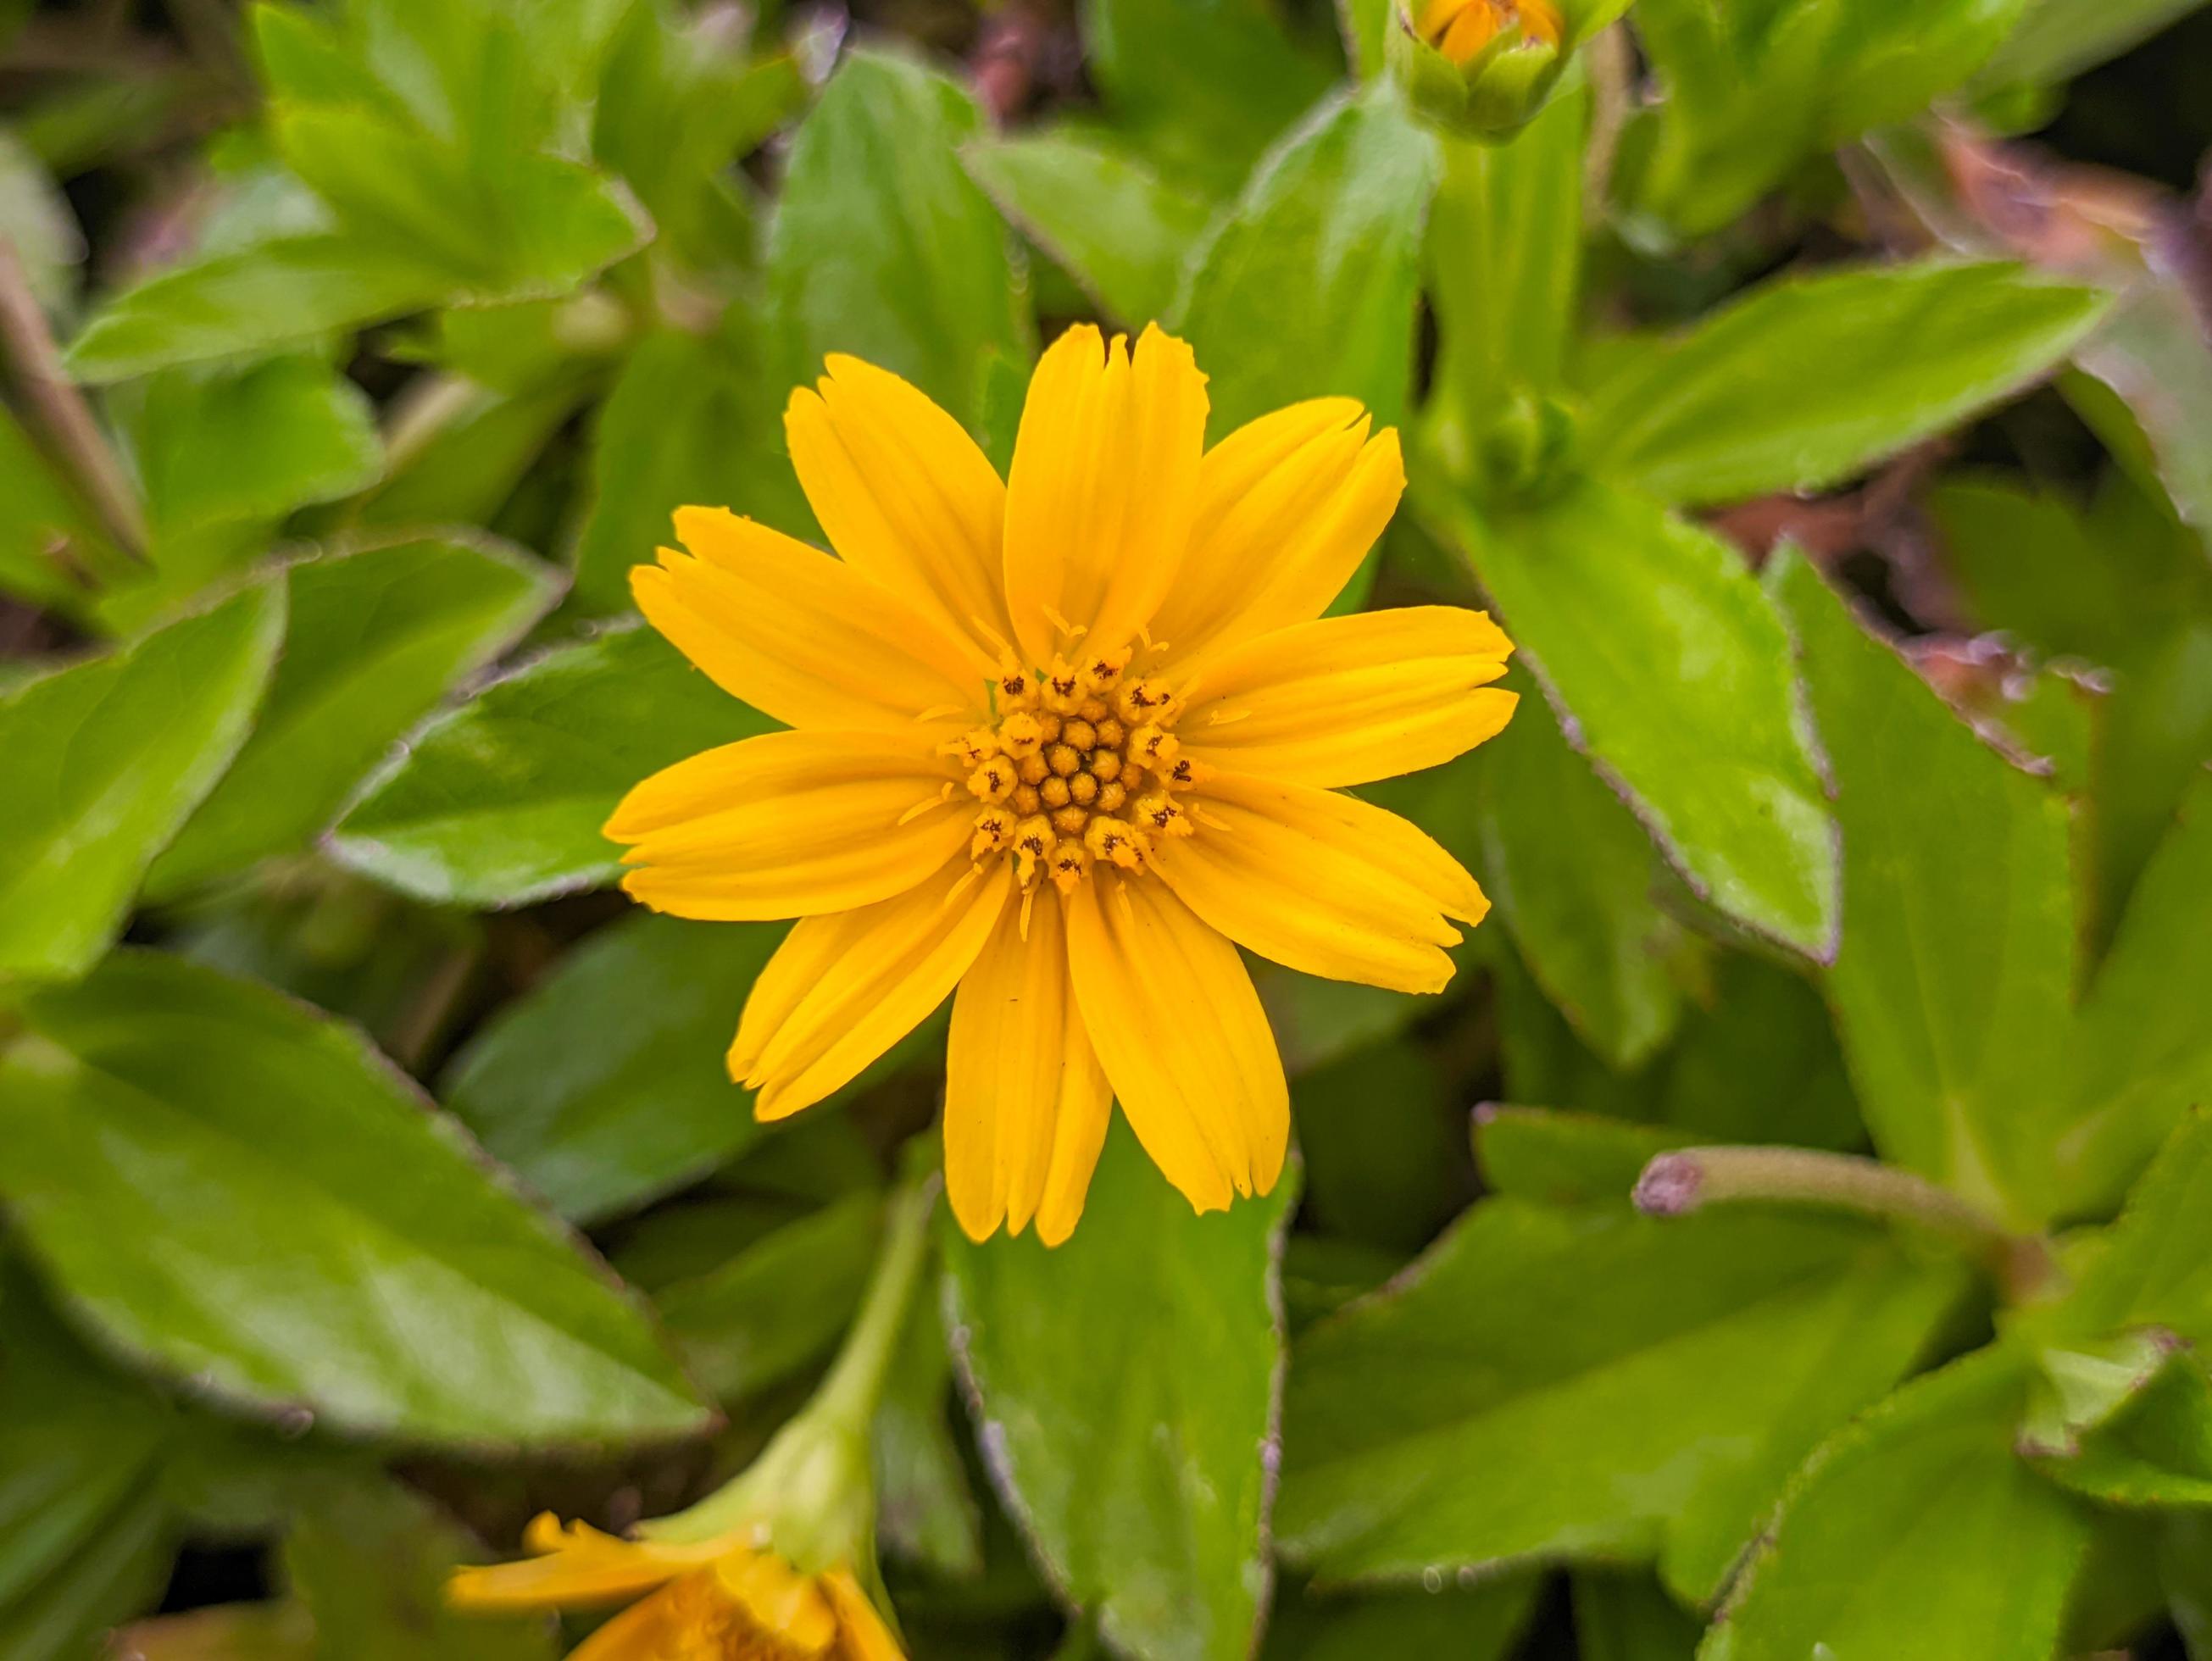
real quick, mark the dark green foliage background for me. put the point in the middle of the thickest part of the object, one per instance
(1835, 447)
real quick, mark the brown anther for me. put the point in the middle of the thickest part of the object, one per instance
(973, 748)
(1111, 796)
(1186, 771)
(1069, 861)
(1101, 670)
(994, 831)
(993, 779)
(1106, 765)
(1153, 746)
(1114, 842)
(1070, 821)
(1111, 732)
(1063, 687)
(1159, 810)
(1053, 793)
(1080, 733)
(1016, 688)
(1034, 839)
(1026, 800)
(1083, 789)
(1020, 734)
(1063, 758)
(1146, 700)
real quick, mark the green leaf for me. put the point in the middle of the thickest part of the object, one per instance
(2152, 1268)
(1478, 1622)
(2057, 39)
(1671, 673)
(1629, 1617)
(1573, 876)
(368, 1561)
(1806, 380)
(1203, 85)
(284, 293)
(41, 226)
(1547, 1383)
(500, 801)
(251, 442)
(375, 638)
(84, 1535)
(1143, 1491)
(1915, 1535)
(1565, 1159)
(776, 1305)
(1952, 989)
(1098, 211)
(691, 422)
(1307, 286)
(1758, 1062)
(604, 1086)
(882, 246)
(1388, 1180)
(239, 1189)
(926, 1511)
(101, 763)
(2155, 1450)
(52, 549)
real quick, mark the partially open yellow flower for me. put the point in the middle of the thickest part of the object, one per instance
(720, 1599)
(1059, 741)
(1461, 29)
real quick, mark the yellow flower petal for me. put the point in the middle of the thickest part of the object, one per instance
(1288, 505)
(904, 494)
(866, 1636)
(1181, 1032)
(1349, 700)
(1330, 817)
(1025, 1100)
(841, 990)
(772, 1597)
(791, 825)
(1104, 480)
(1311, 895)
(575, 1567)
(800, 636)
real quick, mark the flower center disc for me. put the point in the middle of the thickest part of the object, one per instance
(1082, 767)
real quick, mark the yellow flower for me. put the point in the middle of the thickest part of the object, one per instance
(1459, 30)
(1059, 741)
(725, 1599)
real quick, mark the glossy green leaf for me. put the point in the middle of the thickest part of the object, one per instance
(1548, 1382)
(1807, 380)
(236, 1188)
(281, 294)
(1308, 284)
(1098, 211)
(500, 801)
(1573, 876)
(1143, 1491)
(102, 762)
(606, 1086)
(1952, 990)
(1204, 86)
(882, 246)
(1915, 1535)
(375, 639)
(778, 1303)
(247, 443)
(1671, 673)
(690, 422)
(1477, 1622)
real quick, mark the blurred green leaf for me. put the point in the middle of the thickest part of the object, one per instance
(375, 639)
(1915, 1535)
(249, 442)
(1952, 989)
(1389, 1179)
(1143, 1490)
(1573, 875)
(1098, 211)
(691, 421)
(882, 246)
(1203, 86)
(469, 468)
(238, 1188)
(2057, 39)
(1806, 380)
(289, 292)
(926, 1511)
(222, 1631)
(2155, 1450)
(1565, 1159)
(52, 549)
(500, 801)
(1757, 1061)
(1477, 1622)
(776, 1303)
(1629, 1617)
(1548, 1382)
(1671, 672)
(1307, 286)
(39, 225)
(605, 1085)
(102, 761)
(2151, 1268)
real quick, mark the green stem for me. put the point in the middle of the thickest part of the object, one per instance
(1690, 1179)
(855, 1381)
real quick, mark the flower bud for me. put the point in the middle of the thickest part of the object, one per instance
(1478, 68)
